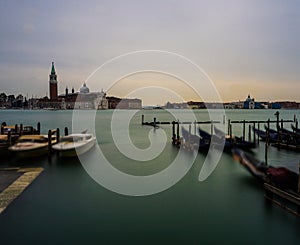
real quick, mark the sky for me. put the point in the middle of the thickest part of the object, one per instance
(245, 46)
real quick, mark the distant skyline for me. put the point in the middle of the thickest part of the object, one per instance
(246, 47)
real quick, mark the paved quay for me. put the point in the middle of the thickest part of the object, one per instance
(13, 181)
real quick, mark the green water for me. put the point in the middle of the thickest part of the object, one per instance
(65, 206)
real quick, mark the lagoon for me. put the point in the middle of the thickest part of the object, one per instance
(65, 205)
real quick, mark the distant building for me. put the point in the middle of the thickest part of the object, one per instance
(84, 99)
(53, 85)
(194, 105)
(275, 105)
(234, 105)
(118, 103)
(249, 103)
(90, 100)
(289, 105)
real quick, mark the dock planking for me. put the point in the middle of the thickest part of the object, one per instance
(25, 176)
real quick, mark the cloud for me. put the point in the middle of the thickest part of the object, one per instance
(28, 28)
(238, 41)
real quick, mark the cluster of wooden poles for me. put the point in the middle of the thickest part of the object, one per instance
(19, 129)
(270, 191)
(176, 139)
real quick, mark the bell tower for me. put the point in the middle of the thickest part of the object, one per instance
(53, 84)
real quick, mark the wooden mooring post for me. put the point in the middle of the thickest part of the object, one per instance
(66, 131)
(178, 135)
(38, 127)
(57, 135)
(9, 137)
(50, 135)
(230, 130)
(173, 133)
(244, 129)
(258, 127)
(249, 133)
(49, 142)
(267, 143)
(256, 139)
(299, 178)
(21, 129)
(272, 193)
(16, 129)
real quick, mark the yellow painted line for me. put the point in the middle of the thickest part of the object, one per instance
(18, 186)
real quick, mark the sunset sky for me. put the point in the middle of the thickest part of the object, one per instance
(246, 46)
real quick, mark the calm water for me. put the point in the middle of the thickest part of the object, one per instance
(64, 205)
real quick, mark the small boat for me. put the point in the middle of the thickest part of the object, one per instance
(75, 144)
(28, 146)
(280, 177)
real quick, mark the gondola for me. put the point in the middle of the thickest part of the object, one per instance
(284, 134)
(263, 135)
(192, 142)
(280, 177)
(203, 134)
(295, 129)
(292, 137)
(236, 142)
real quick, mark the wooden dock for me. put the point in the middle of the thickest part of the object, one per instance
(28, 175)
(246, 124)
(17, 130)
(287, 146)
(280, 197)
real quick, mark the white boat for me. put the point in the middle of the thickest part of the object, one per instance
(75, 144)
(31, 145)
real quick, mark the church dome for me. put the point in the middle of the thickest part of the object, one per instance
(84, 89)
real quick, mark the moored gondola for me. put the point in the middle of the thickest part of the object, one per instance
(235, 141)
(272, 137)
(280, 177)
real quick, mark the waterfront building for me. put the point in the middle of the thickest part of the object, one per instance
(275, 105)
(191, 105)
(118, 103)
(90, 100)
(249, 103)
(234, 105)
(84, 99)
(289, 104)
